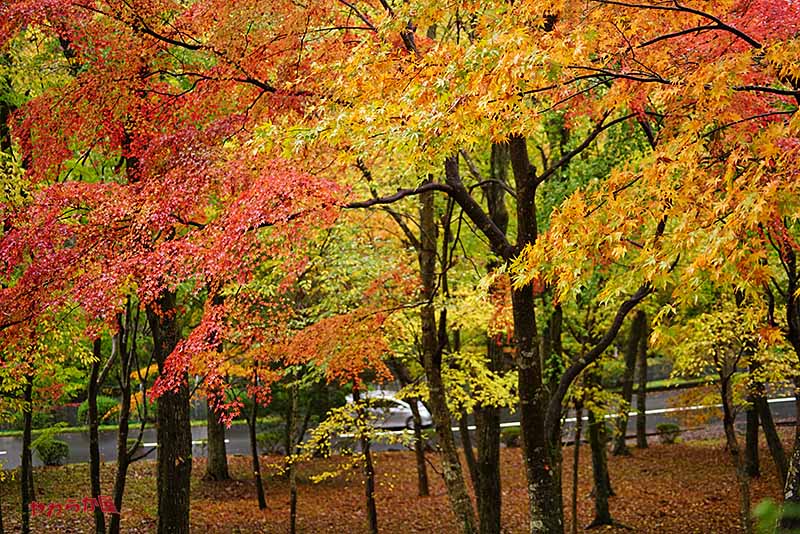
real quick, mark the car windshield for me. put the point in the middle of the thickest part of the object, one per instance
(383, 403)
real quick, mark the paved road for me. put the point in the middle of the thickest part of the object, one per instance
(658, 411)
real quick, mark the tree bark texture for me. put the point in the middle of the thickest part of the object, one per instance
(173, 424)
(26, 467)
(631, 351)
(432, 363)
(739, 462)
(251, 423)
(217, 466)
(544, 510)
(94, 438)
(602, 489)
(641, 390)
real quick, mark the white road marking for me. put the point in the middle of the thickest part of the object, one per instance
(194, 442)
(656, 411)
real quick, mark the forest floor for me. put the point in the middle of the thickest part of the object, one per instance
(688, 487)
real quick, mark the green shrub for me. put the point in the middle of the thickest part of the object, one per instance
(51, 451)
(107, 410)
(668, 432)
(270, 441)
(768, 515)
(38, 420)
(510, 436)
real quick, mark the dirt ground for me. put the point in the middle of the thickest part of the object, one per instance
(684, 488)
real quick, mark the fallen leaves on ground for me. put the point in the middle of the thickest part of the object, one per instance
(684, 488)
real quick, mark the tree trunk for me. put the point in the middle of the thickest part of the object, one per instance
(217, 466)
(792, 488)
(402, 373)
(290, 450)
(251, 424)
(576, 456)
(602, 489)
(126, 344)
(773, 439)
(631, 351)
(736, 456)
(94, 438)
(488, 490)
(419, 450)
(546, 515)
(432, 362)
(174, 429)
(487, 421)
(487, 418)
(751, 463)
(369, 487)
(26, 467)
(469, 450)
(641, 393)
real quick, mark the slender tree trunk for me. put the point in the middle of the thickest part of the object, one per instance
(597, 442)
(94, 438)
(419, 450)
(576, 456)
(126, 344)
(369, 487)
(369, 471)
(432, 362)
(469, 450)
(26, 467)
(751, 463)
(641, 393)
(217, 466)
(487, 418)
(792, 487)
(487, 422)
(736, 456)
(251, 423)
(544, 494)
(773, 439)
(290, 450)
(631, 351)
(488, 490)
(174, 428)
(123, 459)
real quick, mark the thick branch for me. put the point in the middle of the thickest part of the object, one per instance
(459, 193)
(571, 373)
(600, 128)
(675, 6)
(401, 194)
(398, 219)
(763, 89)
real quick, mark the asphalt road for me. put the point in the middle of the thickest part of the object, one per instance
(659, 410)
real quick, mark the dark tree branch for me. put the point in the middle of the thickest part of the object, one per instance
(459, 193)
(678, 7)
(412, 239)
(763, 89)
(679, 34)
(401, 194)
(601, 127)
(571, 373)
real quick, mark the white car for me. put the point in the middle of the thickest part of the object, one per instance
(391, 412)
